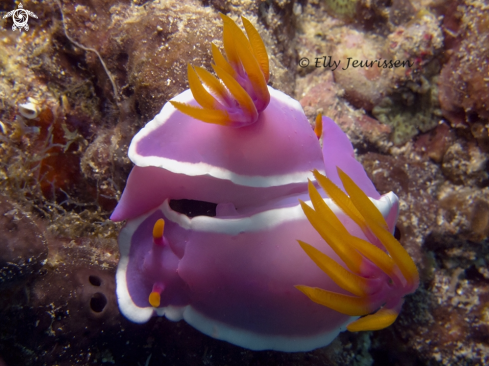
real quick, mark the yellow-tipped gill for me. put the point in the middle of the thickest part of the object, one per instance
(377, 225)
(380, 320)
(370, 291)
(241, 92)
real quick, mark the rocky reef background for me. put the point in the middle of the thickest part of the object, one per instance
(88, 74)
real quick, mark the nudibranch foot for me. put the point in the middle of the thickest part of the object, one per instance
(380, 273)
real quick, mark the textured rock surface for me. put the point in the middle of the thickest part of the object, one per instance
(23, 249)
(403, 96)
(445, 322)
(96, 72)
(464, 82)
(325, 97)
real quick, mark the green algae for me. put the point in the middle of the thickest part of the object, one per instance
(342, 8)
(410, 112)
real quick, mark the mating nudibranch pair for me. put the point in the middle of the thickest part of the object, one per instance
(283, 234)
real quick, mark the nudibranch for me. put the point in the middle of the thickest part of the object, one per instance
(379, 271)
(246, 275)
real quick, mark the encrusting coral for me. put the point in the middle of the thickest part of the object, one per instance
(64, 69)
(464, 81)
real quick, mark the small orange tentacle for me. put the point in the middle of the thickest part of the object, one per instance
(246, 58)
(375, 255)
(154, 299)
(206, 115)
(379, 228)
(344, 304)
(214, 85)
(348, 281)
(237, 91)
(361, 200)
(332, 223)
(158, 229)
(258, 47)
(222, 62)
(324, 211)
(318, 128)
(229, 41)
(201, 95)
(349, 256)
(340, 198)
(380, 320)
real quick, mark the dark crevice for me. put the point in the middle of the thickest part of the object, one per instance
(397, 233)
(192, 208)
(94, 280)
(473, 274)
(98, 302)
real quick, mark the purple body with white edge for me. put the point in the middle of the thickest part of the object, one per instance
(179, 157)
(232, 276)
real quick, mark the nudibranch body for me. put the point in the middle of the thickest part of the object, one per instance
(179, 157)
(283, 233)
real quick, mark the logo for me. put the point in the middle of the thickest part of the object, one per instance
(20, 17)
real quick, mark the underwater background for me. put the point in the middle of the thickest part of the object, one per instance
(87, 75)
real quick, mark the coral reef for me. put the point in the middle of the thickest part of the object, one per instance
(40, 164)
(413, 106)
(435, 143)
(464, 163)
(464, 81)
(102, 79)
(92, 73)
(405, 96)
(446, 322)
(364, 86)
(325, 97)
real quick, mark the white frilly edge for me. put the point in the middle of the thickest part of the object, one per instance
(199, 321)
(196, 169)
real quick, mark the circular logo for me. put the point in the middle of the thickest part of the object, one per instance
(20, 18)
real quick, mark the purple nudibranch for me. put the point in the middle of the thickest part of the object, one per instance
(301, 247)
